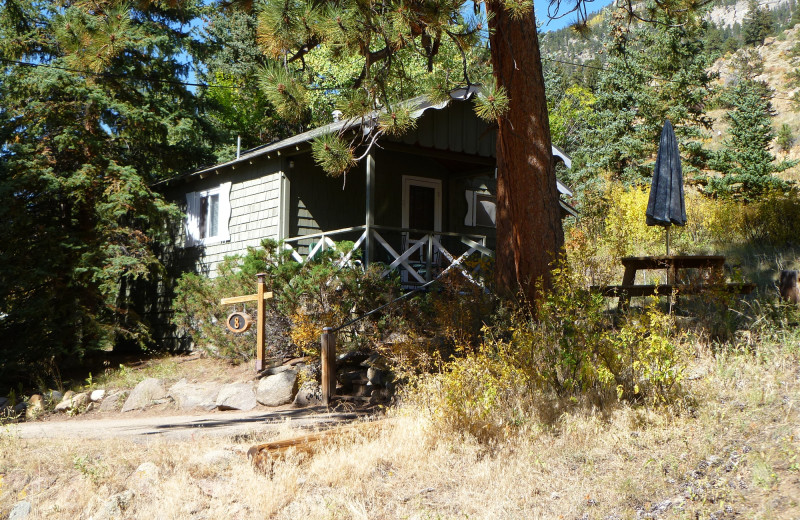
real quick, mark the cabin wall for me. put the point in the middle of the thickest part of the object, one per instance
(255, 210)
(319, 202)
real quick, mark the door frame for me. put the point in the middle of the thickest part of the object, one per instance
(426, 182)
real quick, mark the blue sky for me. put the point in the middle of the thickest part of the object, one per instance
(554, 25)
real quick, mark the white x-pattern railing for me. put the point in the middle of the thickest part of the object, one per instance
(428, 245)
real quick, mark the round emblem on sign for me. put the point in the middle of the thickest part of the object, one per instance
(238, 322)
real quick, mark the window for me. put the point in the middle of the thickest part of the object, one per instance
(207, 215)
(481, 209)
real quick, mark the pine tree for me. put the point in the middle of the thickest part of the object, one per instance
(785, 138)
(746, 165)
(234, 107)
(95, 117)
(653, 73)
(403, 49)
(757, 24)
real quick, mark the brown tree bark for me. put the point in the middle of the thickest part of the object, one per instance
(529, 231)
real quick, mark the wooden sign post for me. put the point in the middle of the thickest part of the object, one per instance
(328, 358)
(239, 322)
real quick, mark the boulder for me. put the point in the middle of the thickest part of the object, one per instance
(111, 403)
(114, 506)
(20, 510)
(67, 395)
(375, 376)
(236, 396)
(190, 396)
(145, 478)
(376, 361)
(97, 395)
(54, 396)
(64, 405)
(3, 402)
(309, 394)
(35, 406)
(219, 458)
(271, 371)
(73, 401)
(278, 389)
(144, 394)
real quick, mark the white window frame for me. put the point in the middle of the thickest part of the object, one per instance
(193, 205)
(471, 219)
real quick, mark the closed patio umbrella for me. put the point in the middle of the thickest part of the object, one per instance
(666, 205)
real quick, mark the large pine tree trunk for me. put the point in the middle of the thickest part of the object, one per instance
(529, 232)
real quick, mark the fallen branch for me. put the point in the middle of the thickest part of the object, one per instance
(263, 456)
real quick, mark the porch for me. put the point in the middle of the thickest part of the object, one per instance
(423, 256)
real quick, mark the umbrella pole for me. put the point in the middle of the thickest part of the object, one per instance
(670, 277)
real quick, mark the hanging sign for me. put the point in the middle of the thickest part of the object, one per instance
(238, 322)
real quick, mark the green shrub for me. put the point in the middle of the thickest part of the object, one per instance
(307, 297)
(563, 347)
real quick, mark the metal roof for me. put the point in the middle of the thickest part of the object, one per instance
(418, 105)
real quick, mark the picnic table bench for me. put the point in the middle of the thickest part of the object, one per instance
(712, 265)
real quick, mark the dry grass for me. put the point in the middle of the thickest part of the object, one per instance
(731, 449)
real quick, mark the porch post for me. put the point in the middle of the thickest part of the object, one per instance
(370, 209)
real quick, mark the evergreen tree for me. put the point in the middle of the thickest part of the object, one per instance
(96, 115)
(654, 72)
(785, 138)
(745, 163)
(382, 38)
(234, 107)
(757, 24)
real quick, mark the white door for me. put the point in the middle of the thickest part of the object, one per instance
(422, 209)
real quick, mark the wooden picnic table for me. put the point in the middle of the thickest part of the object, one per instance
(712, 265)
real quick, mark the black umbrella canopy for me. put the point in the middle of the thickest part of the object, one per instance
(666, 206)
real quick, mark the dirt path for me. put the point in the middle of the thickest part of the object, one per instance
(216, 423)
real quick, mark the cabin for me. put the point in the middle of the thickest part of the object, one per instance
(420, 203)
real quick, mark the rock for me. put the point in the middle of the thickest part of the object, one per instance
(275, 370)
(278, 389)
(73, 401)
(143, 395)
(380, 395)
(67, 395)
(376, 361)
(20, 408)
(54, 396)
(375, 376)
(35, 406)
(221, 458)
(114, 506)
(3, 402)
(236, 396)
(97, 395)
(310, 394)
(144, 478)
(111, 403)
(80, 400)
(211, 488)
(189, 396)
(20, 510)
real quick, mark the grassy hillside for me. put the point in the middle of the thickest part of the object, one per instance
(729, 448)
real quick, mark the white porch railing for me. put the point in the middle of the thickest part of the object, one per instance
(431, 255)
